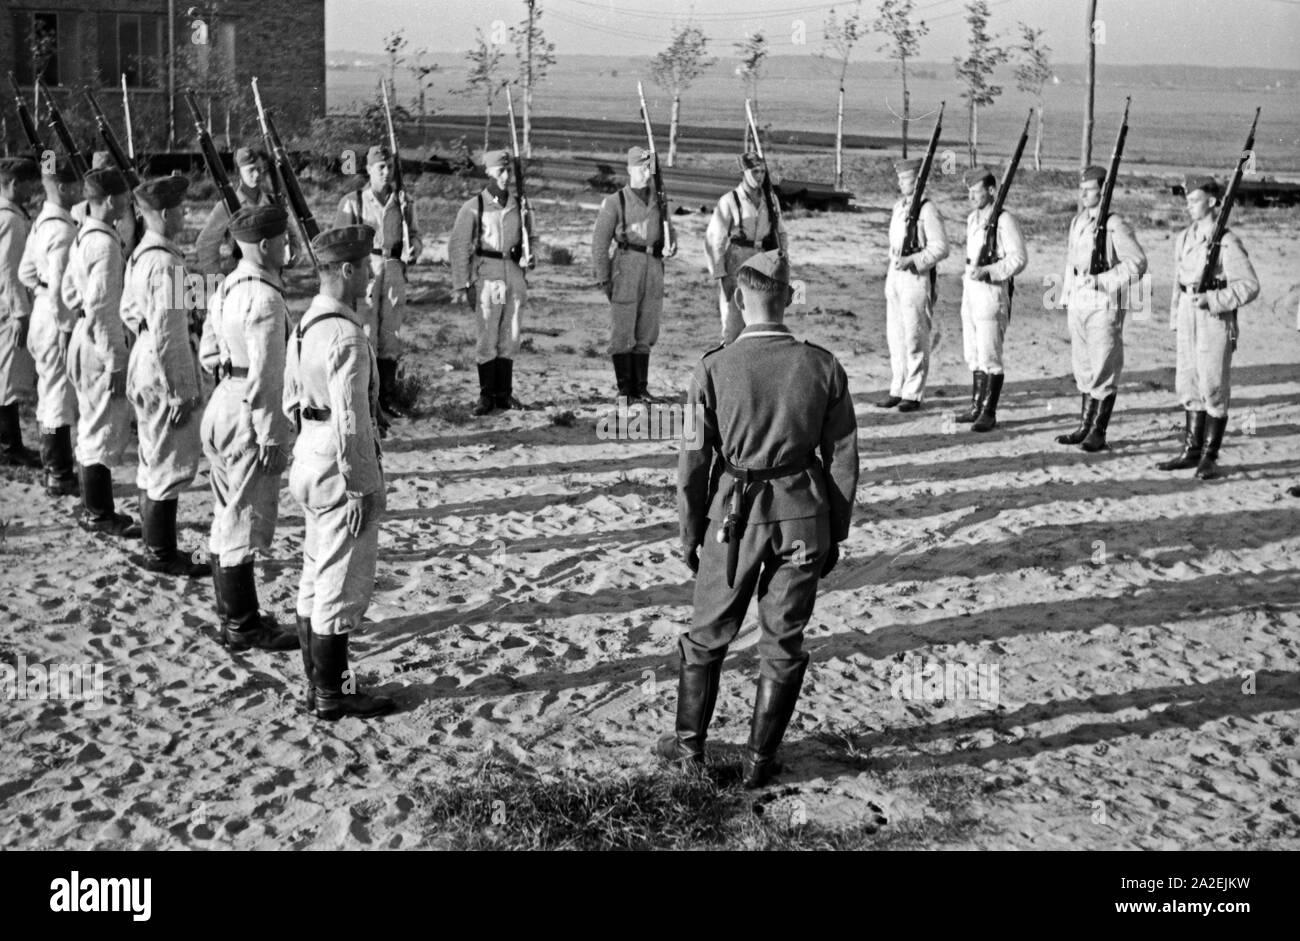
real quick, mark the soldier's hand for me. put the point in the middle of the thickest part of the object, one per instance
(23, 323)
(832, 557)
(691, 556)
(272, 458)
(1202, 301)
(117, 384)
(179, 413)
(355, 515)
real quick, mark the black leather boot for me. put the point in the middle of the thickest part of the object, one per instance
(624, 376)
(1087, 412)
(773, 707)
(988, 416)
(1193, 441)
(245, 627)
(98, 513)
(1096, 439)
(219, 602)
(60, 464)
(487, 378)
(697, 693)
(387, 388)
(304, 644)
(158, 522)
(1207, 467)
(12, 451)
(889, 401)
(505, 384)
(329, 663)
(641, 377)
(979, 386)
(1293, 491)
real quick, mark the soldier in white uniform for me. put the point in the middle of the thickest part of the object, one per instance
(1096, 308)
(330, 385)
(18, 177)
(245, 434)
(380, 206)
(43, 264)
(1206, 325)
(740, 228)
(129, 226)
(485, 249)
(97, 352)
(986, 297)
(910, 292)
(215, 246)
(627, 251)
(161, 379)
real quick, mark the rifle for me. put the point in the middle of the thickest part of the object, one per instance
(1207, 279)
(525, 211)
(661, 198)
(55, 119)
(112, 143)
(911, 240)
(211, 157)
(286, 181)
(397, 169)
(1100, 256)
(25, 118)
(769, 197)
(989, 251)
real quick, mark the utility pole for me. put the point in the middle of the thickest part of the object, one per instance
(528, 83)
(171, 74)
(1092, 86)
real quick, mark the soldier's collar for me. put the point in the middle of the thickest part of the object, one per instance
(765, 329)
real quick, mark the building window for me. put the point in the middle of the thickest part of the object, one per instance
(37, 36)
(131, 44)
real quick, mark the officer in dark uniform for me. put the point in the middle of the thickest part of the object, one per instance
(759, 510)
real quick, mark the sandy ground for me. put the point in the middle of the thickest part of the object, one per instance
(1142, 625)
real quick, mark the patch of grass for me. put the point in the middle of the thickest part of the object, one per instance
(561, 256)
(528, 344)
(506, 808)
(452, 412)
(591, 351)
(408, 389)
(565, 419)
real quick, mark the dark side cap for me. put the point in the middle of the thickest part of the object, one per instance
(1092, 173)
(99, 184)
(774, 265)
(163, 192)
(346, 243)
(22, 169)
(254, 223)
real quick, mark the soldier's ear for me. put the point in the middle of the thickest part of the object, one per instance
(788, 298)
(738, 297)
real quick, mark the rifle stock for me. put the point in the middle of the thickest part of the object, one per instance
(769, 195)
(286, 180)
(55, 119)
(25, 118)
(661, 198)
(1207, 278)
(525, 211)
(210, 156)
(112, 143)
(989, 250)
(911, 239)
(1100, 257)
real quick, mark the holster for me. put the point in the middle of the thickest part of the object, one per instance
(733, 524)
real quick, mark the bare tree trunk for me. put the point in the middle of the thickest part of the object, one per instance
(487, 125)
(1038, 137)
(973, 133)
(907, 108)
(839, 142)
(1092, 86)
(672, 128)
(528, 85)
(229, 140)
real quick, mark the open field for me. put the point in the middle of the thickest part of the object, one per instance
(1142, 625)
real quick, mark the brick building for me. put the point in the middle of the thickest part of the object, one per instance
(163, 47)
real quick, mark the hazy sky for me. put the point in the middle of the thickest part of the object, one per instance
(1199, 32)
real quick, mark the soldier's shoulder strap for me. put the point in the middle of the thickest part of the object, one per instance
(818, 346)
(231, 282)
(707, 353)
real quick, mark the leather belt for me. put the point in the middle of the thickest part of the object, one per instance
(395, 252)
(488, 253)
(1218, 284)
(225, 370)
(655, 250)
(738, 513)
(314, 413)
(742, 242)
